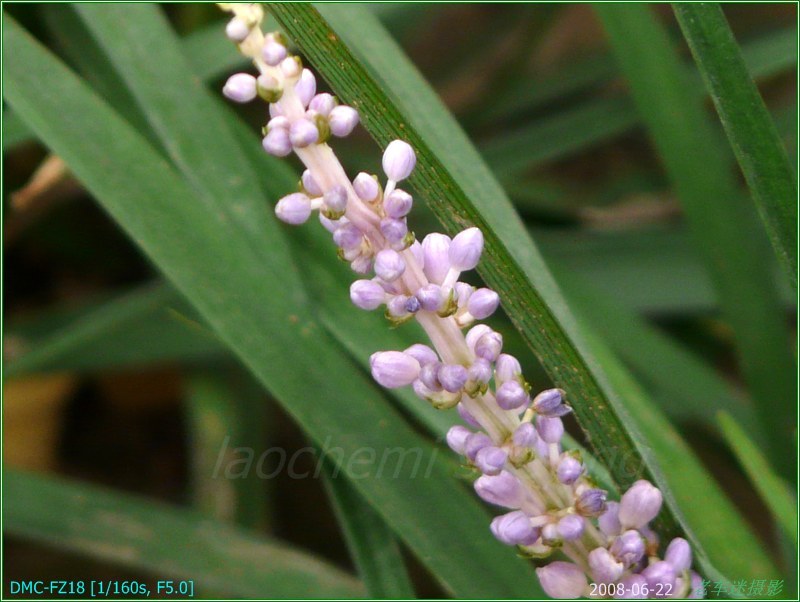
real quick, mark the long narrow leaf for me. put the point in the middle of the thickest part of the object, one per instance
(371, 543)
(396, 102)
(734, 247)
(747, 123)
(164, 541)
(214, 264)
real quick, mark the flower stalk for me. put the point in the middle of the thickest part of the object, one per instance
(553, 509)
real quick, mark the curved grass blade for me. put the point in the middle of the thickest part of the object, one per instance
(774, 491)
(164, 541)
(141, 327)
(395, 102)
(747, 123)
(215, 263)
(732, 243)
(371, 543)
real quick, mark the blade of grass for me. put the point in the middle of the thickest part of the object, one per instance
(394, 101)
(371, 543)
(747, 123)
(718, 215)
(774, 491)
(225, 417)
(217, 264)
(589, 123)
(145, 326)
(164, 541)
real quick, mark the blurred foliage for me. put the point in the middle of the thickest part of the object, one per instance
(142, 380)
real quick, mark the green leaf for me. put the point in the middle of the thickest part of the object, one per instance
(164, 541)
(747, 123)
(719, 217)
(395, 102)
(226, 411)
(774, 491)
(713, 524)
(229, 267)
(371, 543)
(141, 327)
(593, 121)
(15, 132)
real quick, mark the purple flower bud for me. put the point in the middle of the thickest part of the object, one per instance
(457, 438)
(393, 369)
(514, 529)
(366, 187)
(396, 306)
(361, 264)
(394, 230)
(475, 443)
(628, 548)
(367, 294)
(412, 305)
(562, 580)
(490, 460)
(280, 122)
(237, 30)
(489, 346)
(336, 199)
(291, 67)
(511, 395)
(430, 297)
(435, 248)
(348, 236)
(389, 265)
(525, 435)
(294, 208)
(416, 250)
(569, 470)
(591, 502)
(398, 160)
(696, 586)
(342, 120)
(551, 536)
(480, 371)
(429, 375)
(639, 505)
(303, 133)
(475, 333)
(571, 527)
(549, 403)
(502, 490)
(506, 368)
(660, 577)
(483, 303)
(604, 567)
(632, 587)
(609, 520)
(422, 391)
(277, 143)
(550, 429)
(309, 183)
(466, 249)
(398, 204)
(240, 87)
(466, 416)
(422, 353)
(679, 554)
(463, 293)
(306, 87)
(273, 53)
(323, 104)
(453, 377)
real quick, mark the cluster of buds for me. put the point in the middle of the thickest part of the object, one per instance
(513, 440)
